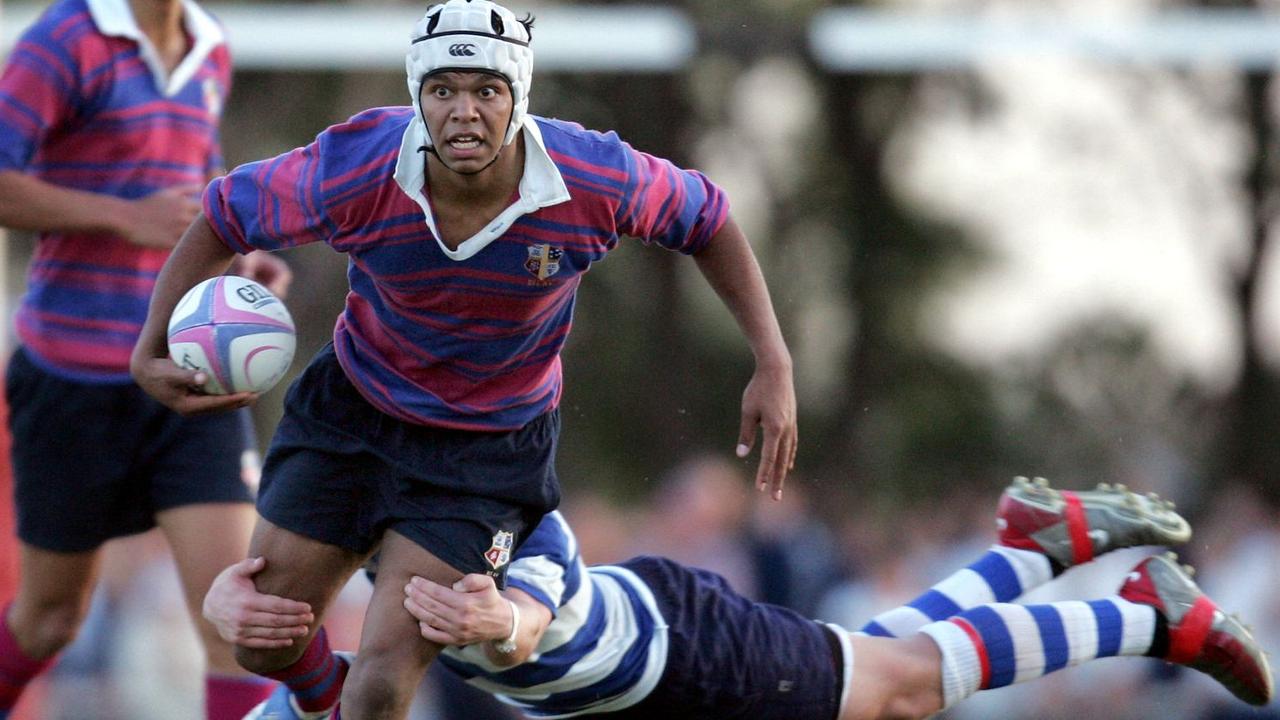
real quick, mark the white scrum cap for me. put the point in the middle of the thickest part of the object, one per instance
(472, 35)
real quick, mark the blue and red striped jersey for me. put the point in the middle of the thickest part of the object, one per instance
(85, 104)
(470, 337)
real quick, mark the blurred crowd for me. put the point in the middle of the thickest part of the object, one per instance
(137, 657)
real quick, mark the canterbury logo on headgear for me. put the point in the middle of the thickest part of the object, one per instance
(473, 35)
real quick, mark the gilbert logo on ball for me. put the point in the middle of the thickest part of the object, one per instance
(236, 331)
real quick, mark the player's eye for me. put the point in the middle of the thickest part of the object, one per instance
(488, 92)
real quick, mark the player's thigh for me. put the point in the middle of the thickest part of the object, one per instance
(389, 631)
(301, 568)
(55, 581)
(205, 539)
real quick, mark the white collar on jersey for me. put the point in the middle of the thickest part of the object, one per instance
(540, 186)
(113, 17)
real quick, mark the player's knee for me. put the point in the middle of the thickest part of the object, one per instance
(371, 685)
(46, 628)
(262, 662)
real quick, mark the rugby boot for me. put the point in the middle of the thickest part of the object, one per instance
(1199, 635)
(1071, 528)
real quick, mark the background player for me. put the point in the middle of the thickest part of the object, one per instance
(109, 116)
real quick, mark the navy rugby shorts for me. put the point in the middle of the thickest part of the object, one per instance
(342, 472)
(95, 461)
(730, 657)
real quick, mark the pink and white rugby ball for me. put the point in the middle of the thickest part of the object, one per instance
(236, 331)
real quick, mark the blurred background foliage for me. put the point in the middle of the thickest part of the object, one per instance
(860, 263)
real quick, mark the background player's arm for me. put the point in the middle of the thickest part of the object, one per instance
(199, 256)
(474, 611)
(157, 220)
(769, 401)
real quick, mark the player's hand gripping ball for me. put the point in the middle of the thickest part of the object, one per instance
(234, 330)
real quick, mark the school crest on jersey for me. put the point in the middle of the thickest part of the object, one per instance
(212, 96)
(543, 262)
(499, 553)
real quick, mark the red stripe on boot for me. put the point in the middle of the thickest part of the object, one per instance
(1077, 529)
(1185, 641)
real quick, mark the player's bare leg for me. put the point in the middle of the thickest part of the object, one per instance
(301, 569)
(393, 655)
(53, 599)
(894, 678)
(205, 538)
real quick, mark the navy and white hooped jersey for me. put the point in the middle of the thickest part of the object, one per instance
(605, 649)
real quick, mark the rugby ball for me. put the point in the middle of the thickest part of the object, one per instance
(234, 330)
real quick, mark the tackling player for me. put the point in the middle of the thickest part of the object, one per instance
(430, 424)
(109, 114)
(650, 638)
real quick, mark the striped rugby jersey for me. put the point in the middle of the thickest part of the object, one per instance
(605, 648)
(468, 338)
(86, 104)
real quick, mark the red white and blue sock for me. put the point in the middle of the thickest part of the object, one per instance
(996, 645)
(1001, 575)
(231, 697)
(16, 668)
(316, 678)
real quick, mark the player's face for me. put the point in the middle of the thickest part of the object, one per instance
(467, 114)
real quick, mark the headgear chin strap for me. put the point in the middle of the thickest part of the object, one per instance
(470, 35)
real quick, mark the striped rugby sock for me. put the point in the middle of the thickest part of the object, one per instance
(996, 645)
(1001, 575)
(316, 678)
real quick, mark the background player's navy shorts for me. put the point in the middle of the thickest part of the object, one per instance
(96, 461)
(729, 657)
(342, 472)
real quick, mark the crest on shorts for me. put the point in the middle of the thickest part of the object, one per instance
(544, 261)
(499, 553)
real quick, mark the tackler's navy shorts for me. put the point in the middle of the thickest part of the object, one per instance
(342, 472)
(95, 461)
(729, 657)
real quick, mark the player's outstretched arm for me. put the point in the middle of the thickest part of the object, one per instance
(199, 256)
(474, 611)
(248, 618)
(769, 401)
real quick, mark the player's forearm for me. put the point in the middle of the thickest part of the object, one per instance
(730, 267)
(534, 618)
(198, 256)
(29, 203)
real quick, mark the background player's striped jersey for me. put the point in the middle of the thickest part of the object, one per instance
(84, 104)
(468, 339)
(606, 649)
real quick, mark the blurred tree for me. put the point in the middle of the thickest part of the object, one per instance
(1248, 450)
(909, 418)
